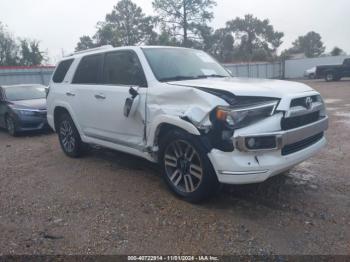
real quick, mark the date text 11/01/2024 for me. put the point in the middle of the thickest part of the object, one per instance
(173, 258)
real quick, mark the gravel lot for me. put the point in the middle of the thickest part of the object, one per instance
(112, 203)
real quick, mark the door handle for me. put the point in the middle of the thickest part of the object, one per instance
(100, 96)
(70, 94)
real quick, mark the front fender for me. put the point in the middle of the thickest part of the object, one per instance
(171, 120)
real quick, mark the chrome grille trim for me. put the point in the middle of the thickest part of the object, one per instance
(300, 110)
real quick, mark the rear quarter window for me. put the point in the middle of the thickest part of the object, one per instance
(62, 70)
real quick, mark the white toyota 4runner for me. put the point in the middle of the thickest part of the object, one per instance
(180, 108)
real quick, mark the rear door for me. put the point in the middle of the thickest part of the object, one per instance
(86, 83)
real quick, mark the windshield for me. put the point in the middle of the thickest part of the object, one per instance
(16, 93)
(175, 64)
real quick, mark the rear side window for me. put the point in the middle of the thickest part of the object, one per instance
(89, 70)
(62, 70)
(123, 68)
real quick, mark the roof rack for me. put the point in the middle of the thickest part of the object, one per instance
(92, 49)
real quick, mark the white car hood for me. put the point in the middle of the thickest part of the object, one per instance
(249, 87)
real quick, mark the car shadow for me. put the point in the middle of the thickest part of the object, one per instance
(277, 193)
(122, 160)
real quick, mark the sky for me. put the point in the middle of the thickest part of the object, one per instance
(58, 24)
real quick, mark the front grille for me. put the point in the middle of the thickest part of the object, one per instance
(301, 101)
(298, 121)
(293, 148)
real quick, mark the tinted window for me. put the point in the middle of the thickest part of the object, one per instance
(347, 62)
(89, 70)
(62, 70)
(16, 93)
(123, 68)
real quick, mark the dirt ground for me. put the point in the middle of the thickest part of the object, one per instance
(113, 203)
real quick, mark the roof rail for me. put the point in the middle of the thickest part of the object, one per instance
(92, 49)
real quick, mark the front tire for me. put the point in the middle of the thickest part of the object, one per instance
(69, 137)
(186, 167)
(11, 126)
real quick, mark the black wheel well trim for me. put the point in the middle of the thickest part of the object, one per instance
(57, 112)
(164, 128)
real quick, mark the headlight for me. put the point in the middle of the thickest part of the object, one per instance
(25, 112)
(235, 118)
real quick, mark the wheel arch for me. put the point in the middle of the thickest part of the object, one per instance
(60, 109)
(164, 124)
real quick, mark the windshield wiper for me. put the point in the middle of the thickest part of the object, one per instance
(179, 78)
(212, 75)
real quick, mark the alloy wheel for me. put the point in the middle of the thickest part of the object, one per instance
(183, 166)
(10, 126)
(329, 77)
(67, 136)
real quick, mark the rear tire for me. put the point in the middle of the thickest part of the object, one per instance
(330, 76)
(11, 126)
(186, 167)
(69, 137)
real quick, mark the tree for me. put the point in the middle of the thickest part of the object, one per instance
(125, 25)
(254, 37)
(311, 45)
(221, 45)
(185, 17)
(337, 51)
(164, 38)
(84, 43)
(9, 50)
(30, 53)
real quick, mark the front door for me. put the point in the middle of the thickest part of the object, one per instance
(101, 115)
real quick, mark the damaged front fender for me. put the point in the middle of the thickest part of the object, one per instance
(183, 107)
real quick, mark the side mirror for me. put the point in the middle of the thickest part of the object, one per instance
(47, 90)
(133, 92)
(131, 103)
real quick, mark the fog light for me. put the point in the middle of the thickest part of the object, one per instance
(261, 143)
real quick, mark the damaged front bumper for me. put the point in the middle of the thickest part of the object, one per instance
(246, 166)
(283, 138)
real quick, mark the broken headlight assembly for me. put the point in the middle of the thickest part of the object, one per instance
(232, 118)
(226, 119)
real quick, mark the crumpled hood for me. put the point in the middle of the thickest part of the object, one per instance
(249, 87)
(39, 104)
